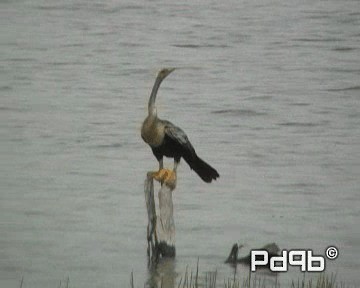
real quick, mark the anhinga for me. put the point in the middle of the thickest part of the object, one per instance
(166, 139)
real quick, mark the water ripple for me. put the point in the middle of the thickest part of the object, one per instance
(239, 112)
(200, 46)
(330, 39)
(344, 49)
(351, 88)
(299, 124)
(107, 146)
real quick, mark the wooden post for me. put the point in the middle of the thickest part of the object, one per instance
(161, 228)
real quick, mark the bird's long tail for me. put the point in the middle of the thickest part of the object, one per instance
(204, 170)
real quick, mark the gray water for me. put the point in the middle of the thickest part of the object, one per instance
(268, 93)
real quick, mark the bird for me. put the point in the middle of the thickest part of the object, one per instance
(271, 248)
(166, 139)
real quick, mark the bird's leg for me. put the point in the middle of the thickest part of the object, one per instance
(175, 167)
(170, 180)
(162, 174)
(156, 174)
(161, 164)
(165, 175)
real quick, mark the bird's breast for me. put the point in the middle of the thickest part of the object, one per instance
(153, 132)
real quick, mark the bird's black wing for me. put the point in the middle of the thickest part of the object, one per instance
(181, 147)
(179, 136)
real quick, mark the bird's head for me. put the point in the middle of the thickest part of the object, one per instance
(163, 73)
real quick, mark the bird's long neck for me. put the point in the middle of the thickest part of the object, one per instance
(151, 107)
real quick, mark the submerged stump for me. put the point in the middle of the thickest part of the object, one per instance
(161, 227)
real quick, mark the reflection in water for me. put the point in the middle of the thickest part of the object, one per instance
(162, 274)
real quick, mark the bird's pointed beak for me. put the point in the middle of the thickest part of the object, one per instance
(170, 70)
(163, 73)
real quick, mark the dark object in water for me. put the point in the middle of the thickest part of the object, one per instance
(272, 249)
(233, 256)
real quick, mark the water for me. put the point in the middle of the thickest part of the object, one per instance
(267, 93)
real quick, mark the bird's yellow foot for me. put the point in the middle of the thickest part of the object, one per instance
(165, 176)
